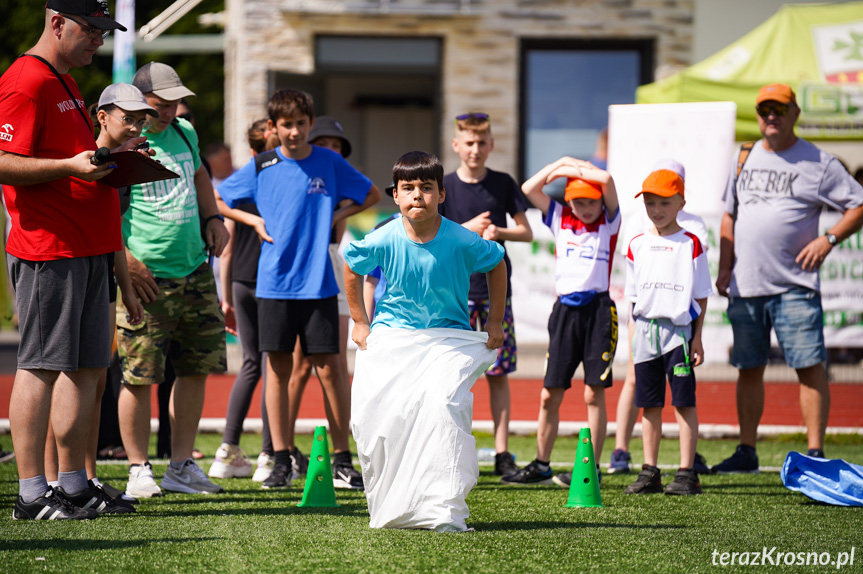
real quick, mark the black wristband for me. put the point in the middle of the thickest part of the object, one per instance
(217, 216)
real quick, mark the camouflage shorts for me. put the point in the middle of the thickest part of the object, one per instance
(184, 324)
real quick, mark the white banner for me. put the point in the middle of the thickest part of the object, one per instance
(701, 137)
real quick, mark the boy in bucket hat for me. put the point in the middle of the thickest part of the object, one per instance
(583, 323)
(668, 280)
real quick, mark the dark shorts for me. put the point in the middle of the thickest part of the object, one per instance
(62, 313)
(112, 279)
(650, 379)
(185, 323)
(507, 353)
(586, 334)
(314, 321)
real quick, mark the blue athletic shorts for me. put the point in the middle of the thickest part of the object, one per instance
(795, 316)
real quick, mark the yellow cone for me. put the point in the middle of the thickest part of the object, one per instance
(319, 491)
(584, 488)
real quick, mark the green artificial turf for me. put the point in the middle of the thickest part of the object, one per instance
(247, 529)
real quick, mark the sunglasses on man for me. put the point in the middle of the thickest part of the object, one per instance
(764, 110)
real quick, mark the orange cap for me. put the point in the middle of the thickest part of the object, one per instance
(781, 93)
(576, 188)
(662, 182)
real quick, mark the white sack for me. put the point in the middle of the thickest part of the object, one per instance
(411, 411)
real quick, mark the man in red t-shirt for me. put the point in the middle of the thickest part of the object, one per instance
(64, 223)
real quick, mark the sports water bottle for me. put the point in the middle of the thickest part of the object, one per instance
(485, 454)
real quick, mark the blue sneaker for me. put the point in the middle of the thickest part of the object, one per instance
(531, 474)
(620, 460)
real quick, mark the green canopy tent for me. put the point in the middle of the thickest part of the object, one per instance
(815, 48)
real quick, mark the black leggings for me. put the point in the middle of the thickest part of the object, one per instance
(246, 310)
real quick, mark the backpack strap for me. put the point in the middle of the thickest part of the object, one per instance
(745, 150)
(265, 160)
(176, 125)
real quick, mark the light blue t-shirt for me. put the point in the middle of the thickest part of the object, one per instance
(296, 200)
(427, 283)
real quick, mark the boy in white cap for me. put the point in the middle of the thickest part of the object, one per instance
(627, 413)
(668, 279)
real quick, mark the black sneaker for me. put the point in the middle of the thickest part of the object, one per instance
(564, 479)
(649, 481)
(51, 506)
(7, 455)
(119, 496)
(299, 463)
(744, 460)
(531, 474)
(685, 482)
(815, 452)
(346, 476)
(700, 465)
(504, 464)
(95, 498)
(280, 477)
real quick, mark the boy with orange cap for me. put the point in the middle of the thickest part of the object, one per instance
(583, 323)
(668, 281)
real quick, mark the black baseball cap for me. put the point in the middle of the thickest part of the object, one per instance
(94, 12)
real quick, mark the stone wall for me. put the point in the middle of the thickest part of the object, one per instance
(481, 39)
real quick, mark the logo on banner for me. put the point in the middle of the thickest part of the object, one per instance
(839, 48)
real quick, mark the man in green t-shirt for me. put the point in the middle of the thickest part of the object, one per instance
(167, 258)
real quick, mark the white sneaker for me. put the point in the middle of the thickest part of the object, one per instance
(265, 467)
(189, 479)
(231, 462)
(141, 482)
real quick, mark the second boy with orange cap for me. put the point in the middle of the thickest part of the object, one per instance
(583, 323)
(668, 280)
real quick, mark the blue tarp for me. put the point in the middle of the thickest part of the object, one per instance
(833, 481)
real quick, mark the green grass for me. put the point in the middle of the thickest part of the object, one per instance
(517, 529)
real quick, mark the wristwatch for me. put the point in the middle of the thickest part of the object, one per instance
(831, 239)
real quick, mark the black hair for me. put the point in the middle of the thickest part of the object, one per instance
(418, 165)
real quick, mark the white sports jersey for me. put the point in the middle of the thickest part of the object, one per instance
(583, 253)
(665, 275)
(640, 223)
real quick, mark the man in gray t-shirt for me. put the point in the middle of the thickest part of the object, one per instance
(770, 253)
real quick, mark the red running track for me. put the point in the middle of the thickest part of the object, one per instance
(716, 402)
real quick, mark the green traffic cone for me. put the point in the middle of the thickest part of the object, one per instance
(319, 491)
(584, 487)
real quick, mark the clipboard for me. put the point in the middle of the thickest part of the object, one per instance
(134, 167)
